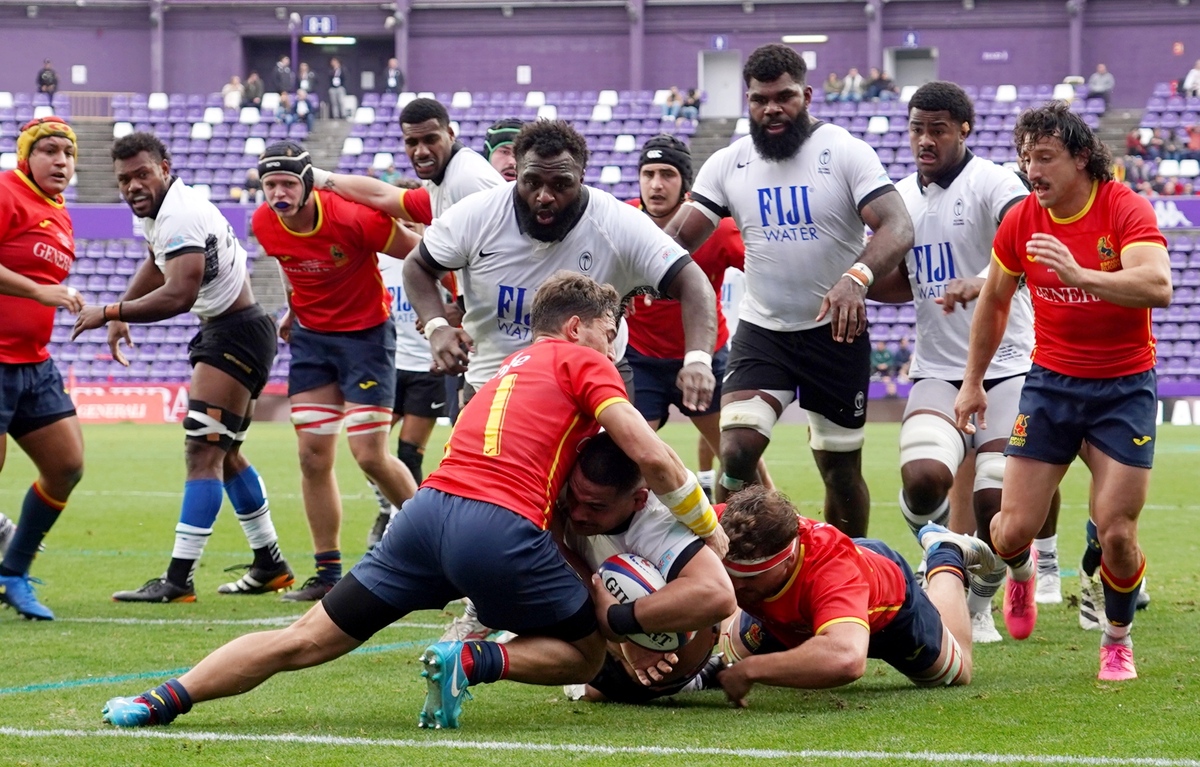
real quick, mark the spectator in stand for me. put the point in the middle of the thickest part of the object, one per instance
(337, 88)
(286, 112)
(233, 92)
(306, 79)
(252, 93)
(1193, 143)
(283, 80)
(880, 87)
(881, 362)
(1191, 83)
(673, 104)
(1158, 184)
(900, 360)
(302, 109)
(833, 87)
(1171, 187)
(1100, 85)
(1154, 150)
(1135, 170)
(1171, 149)
(47, 79)
(1133, 144)
(852, 86)
(391, 176)
(250, 190)
(691, 105)
(1188, 190)
(393, 78)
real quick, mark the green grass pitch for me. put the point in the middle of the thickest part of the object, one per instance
(1033, 702)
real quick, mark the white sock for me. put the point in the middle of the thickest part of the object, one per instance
(1047, 553)
(190, 541)
(983, 588)
(385, 506)
(259, 530)
(706, 478)
(916, 521)
(1116, 635)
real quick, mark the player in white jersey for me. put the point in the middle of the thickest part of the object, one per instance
(607, 510)
(506, 241)
(800, 191)
(197, 264)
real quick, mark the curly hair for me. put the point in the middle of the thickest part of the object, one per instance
(1056, 120)
(132, 145)
(942, 96)
(420, 110)
(772, 61)
(550, 137)
(759, 523)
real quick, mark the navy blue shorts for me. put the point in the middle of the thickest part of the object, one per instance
(912, 642)
(442, 547)
(361, 362)
(32, 395)
(654, 382)
(1058, 412)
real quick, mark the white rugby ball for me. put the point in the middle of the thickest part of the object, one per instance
(628, 577)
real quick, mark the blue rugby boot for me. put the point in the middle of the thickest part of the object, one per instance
(16, 591)
(447, 682)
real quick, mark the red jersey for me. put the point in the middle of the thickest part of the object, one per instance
(37, 241)
(516, 440)
(333, 270)
(835, 581)
(1076, 333)
(657, 330)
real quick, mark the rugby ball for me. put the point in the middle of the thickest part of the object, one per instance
(628, 577)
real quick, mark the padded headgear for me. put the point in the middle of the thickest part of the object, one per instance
(669, 150)
(36, 130)
(500, 133)
(289, 158)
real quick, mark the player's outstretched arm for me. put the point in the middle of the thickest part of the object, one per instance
(368, 191)
(691, 227)
(664, 473)
(180, 286)
(835, 657)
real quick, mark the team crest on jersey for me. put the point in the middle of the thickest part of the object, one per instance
(338, 255)
(823, 161)
(958, 207)
(1109, 262)
(1020, 431)
(585, 262)
(860, 404)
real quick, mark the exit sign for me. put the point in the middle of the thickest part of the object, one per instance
(320, 25)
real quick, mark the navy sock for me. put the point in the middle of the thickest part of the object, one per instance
(167, 701)
(329, 565)
(945, 557)
(484, 662)
(39, 512)
(1091, 555)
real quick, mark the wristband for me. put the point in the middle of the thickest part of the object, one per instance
(321, 178)
(434, 324)
(622, 620)
(104, 312)
(695, 355)
(861, 273)
(691, 506)
(121, 311)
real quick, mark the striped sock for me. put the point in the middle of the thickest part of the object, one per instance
(1120, 597)
(248, 494)
(39, 512)
(1091, 555)
(167, 701)
(1020, 562)
(1047, 554)
(944, 557)
(201, 504)
(484, 662)
(983, 588)
(329, 565)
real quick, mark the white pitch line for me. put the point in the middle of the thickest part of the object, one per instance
(588, 748)
(280, 620)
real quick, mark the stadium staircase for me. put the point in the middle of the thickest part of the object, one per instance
(1115, 125)
(94, 169)
(711, 134)
(324, 144)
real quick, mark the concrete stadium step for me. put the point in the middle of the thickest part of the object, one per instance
(325, 141)
(95, 181)
(711, 135)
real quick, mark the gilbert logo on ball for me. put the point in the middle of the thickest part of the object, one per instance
(628, 577)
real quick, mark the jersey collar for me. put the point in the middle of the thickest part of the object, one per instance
(947, 178)
(455, 148)
(584, 195)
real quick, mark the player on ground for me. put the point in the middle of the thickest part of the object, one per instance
(828, 602)
(343, 341)
(197, 264)
(1096, 263)
(478, 526)
(37, 248)
(607, 510)
(956, 201)
(799, 191)
(498, 146)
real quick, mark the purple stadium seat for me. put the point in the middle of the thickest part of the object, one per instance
(370, 99)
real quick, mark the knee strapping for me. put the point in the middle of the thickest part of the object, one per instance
(365, 419)
(313, 418)
(754, 413)
(989, 471)
(411, 456)
(211, 424)
(824, 434)
(239, 436)
(951, 668)
(926, 436)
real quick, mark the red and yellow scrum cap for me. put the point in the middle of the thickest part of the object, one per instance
(36, 130)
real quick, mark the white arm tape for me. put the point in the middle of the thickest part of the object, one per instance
(321, 178)
(690, 506)
(695, 355)
(434, 324)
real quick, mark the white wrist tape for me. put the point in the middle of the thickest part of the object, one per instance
(434, 324)
(695, 355)
(691, 507)
(321, 178)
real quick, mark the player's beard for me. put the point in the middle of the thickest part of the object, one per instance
(563, 221)
(785, 145)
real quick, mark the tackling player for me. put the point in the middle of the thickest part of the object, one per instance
(478, 526)
(343, 341)
(1096, 263)
(197, 264)
(800, 191)
(37, 248)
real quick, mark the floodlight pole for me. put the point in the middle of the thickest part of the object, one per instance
(1075, 9)
(157, 80)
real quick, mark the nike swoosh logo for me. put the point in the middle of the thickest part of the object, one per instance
(1139, 441)
(484, 254)
(744, 164)
(436, 405)
(367, 384)
(454, 688)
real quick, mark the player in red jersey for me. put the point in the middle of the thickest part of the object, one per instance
(817, 603)
(37, 248)
(343, 340)
(1095, 262)
(657, 351)
(478, 526)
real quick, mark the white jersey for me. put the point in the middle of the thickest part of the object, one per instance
(186, 221)
(653, 532)
(799, 219)
(412, 348)
(502, 267)
(466, 173)
(954, 227)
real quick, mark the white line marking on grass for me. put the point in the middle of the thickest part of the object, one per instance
(279, 620)
(588, 748)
